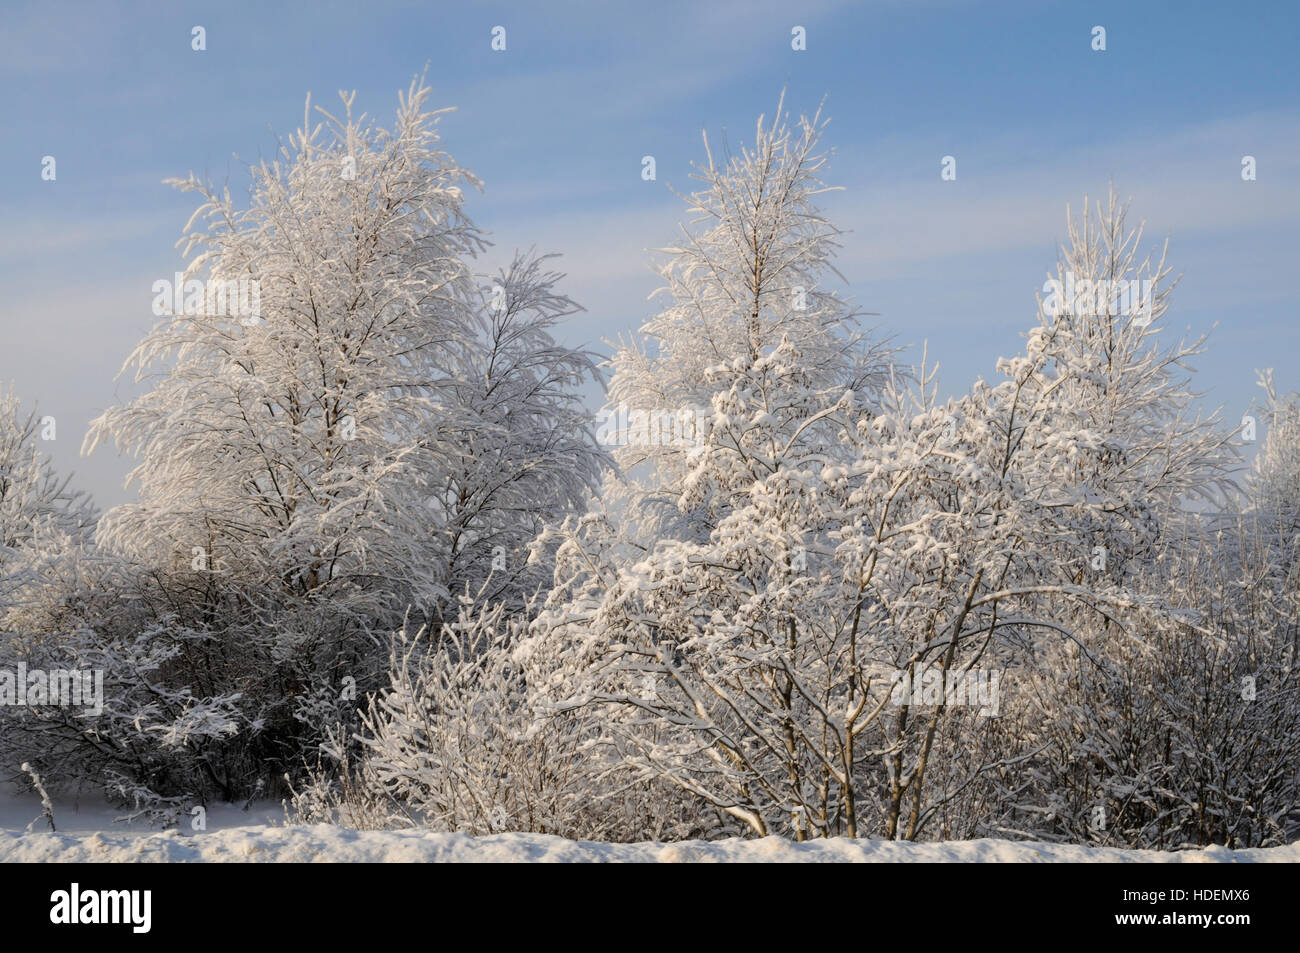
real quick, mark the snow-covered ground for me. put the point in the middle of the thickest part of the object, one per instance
(323, 843)
(88, 833)
(21, 811)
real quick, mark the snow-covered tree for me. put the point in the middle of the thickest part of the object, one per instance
(718, 661)
(1126, 724)
(1274, 482)
(337, 409)
(285, 446)
(514, 442)
(752, 268)
(32, 497)
(65, 606)
(1141, 449)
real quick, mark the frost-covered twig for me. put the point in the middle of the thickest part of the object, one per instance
(46, 803)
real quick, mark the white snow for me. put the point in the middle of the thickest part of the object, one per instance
(87, 832)
(326, 843)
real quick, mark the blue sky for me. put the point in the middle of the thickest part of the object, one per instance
(557, 124)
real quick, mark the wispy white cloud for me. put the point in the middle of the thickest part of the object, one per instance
(25, 239)
(1181, 181)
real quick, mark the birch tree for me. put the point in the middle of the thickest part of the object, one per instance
(514, 441)
(753, 266)
(314, 463)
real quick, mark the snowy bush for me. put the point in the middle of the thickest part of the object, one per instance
(456, 742)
